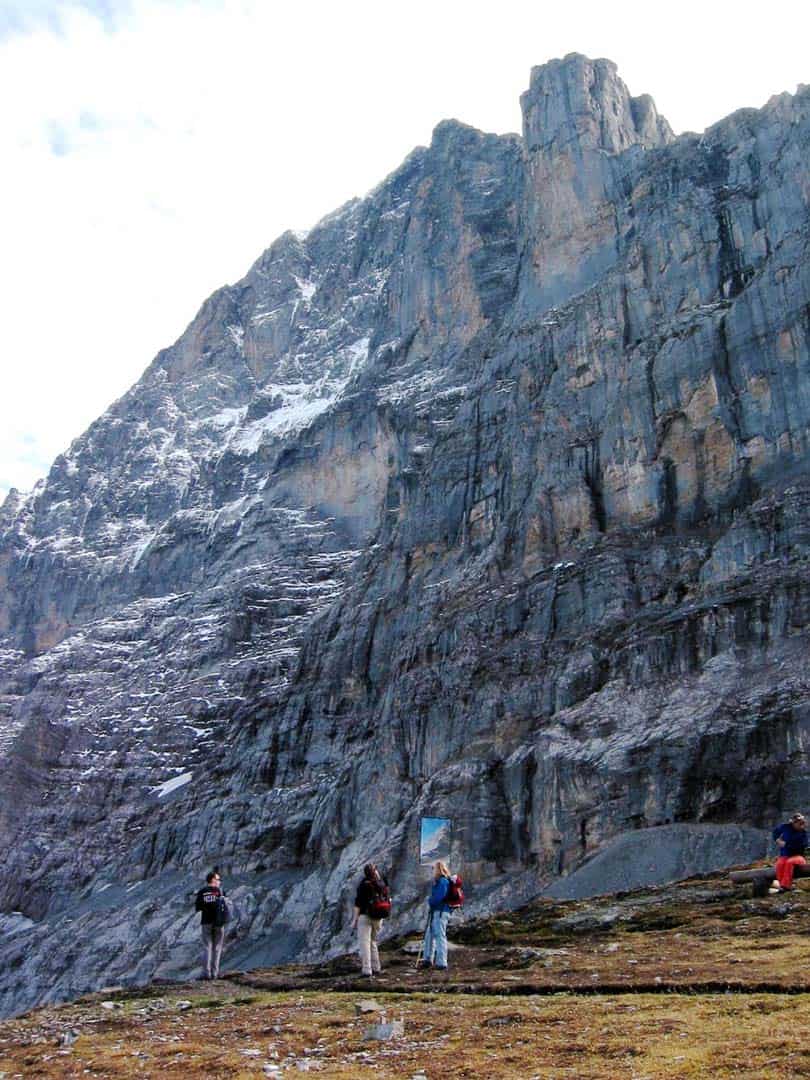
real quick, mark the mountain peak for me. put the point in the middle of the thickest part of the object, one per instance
(584, 100)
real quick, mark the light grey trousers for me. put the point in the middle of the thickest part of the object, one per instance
(213, 938)
(367, 930)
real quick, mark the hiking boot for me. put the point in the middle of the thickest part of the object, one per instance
(424, 964)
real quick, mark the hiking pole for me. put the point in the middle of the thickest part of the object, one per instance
(422, 942)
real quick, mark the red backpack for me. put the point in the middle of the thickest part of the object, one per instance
(455, 892)
(380, 906)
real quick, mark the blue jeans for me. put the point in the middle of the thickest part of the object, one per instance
(436, 938)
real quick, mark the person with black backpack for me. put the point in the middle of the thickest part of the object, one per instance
(372, 904)
(215, 913)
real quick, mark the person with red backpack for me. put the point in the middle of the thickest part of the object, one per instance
(372, 904)
(446, 895)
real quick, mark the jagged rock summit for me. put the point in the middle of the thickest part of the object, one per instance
(485, 499)
(576, 104)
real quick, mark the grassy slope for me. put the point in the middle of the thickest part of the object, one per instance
(694, 980)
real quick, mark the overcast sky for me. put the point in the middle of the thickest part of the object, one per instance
(151, 149)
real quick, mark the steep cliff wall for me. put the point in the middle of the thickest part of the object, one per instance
(487, 498)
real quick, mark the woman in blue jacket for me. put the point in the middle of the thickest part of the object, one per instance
(435, 944)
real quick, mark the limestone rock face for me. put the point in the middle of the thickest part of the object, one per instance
(486, 499)
(583, 103)
(578, 122)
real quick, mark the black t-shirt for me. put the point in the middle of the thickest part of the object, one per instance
(207, 903)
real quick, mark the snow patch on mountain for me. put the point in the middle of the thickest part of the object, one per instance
(226, 418)
(237, 335)
(306, 288)
(296, 405)
(166, 788)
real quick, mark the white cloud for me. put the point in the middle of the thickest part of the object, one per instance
(152, 153)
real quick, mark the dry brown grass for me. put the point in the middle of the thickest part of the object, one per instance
(601, 1037)
(528, 995)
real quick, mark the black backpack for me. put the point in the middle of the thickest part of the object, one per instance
(222, 911)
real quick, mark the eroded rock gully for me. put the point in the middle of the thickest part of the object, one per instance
(486, 498)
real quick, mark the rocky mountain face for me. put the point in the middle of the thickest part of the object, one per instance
(486, 499)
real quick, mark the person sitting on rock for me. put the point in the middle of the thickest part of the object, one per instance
(372, 903)
(215, 912)
(791, 839)
(435, 943)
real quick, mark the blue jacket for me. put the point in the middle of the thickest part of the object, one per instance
(795, 839)
(437, 895)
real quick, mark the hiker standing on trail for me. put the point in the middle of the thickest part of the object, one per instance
(435, 943)
(791, 839)
(372, 904)
(215, 909)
